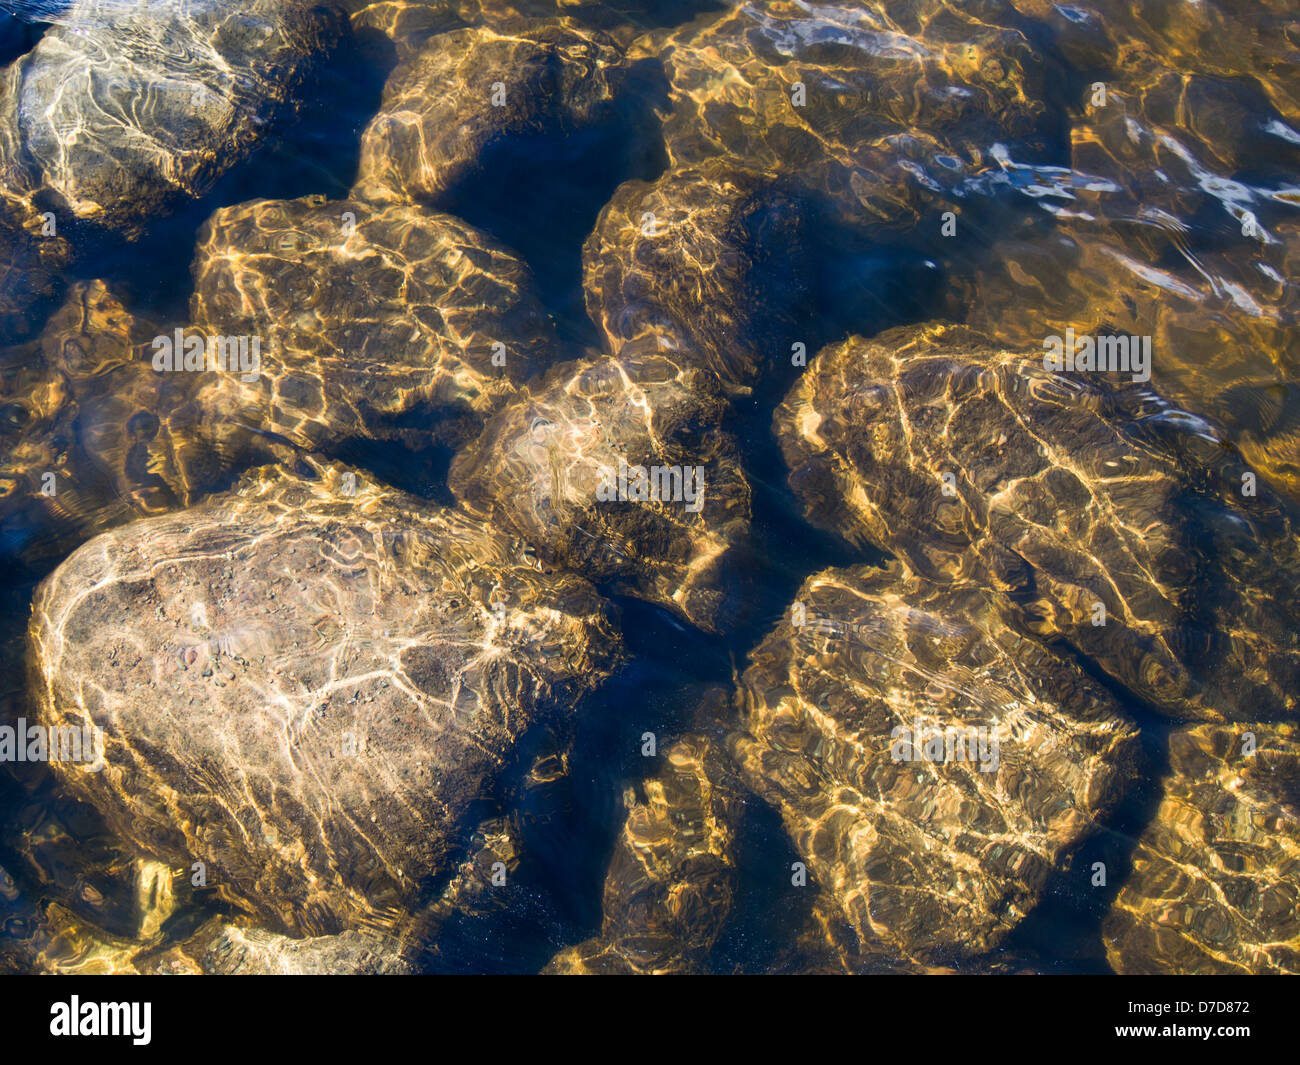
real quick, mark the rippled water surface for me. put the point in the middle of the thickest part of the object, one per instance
(913, 651)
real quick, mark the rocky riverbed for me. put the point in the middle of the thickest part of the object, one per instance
(649, 487)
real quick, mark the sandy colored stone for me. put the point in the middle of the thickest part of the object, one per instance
(308, 688)
(126, 111)
(542, 465)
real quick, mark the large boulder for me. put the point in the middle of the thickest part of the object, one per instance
(1097, 511)
(306, 689)
(935, 769)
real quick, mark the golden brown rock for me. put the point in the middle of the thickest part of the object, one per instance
(708, 262)
(129, 109)
(1096, 510)
(96, 436)
(388, 322)
(1174, 224)
(933, 767)
(615, 468)
(876, 105)
(468, 89)
(1215, 885)
(307, 685)
(671, 881)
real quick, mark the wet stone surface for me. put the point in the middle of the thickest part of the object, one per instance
(1215, 881)
(1058, 492)
(469, 90)
(935, 769)
(617, 469)
(671, 882)
(709, 263)
(879, 107)
(93, 436)
(123, 111)
(390, 322)
(307, 692)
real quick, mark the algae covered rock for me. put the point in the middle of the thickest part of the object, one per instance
(305, 688)
(1096, 510)
(388, 322)
(616, 468)
(1215, 882)
(934, 768)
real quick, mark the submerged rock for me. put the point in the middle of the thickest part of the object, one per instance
(1227, 41)
(1177, 223)
(934, 768)
(26, 286)
(37, 429)
(671, 881)
(1098, 512)
(307, 687)
(126, 109)
(878, 106)
(22, 933)
(224, 949)
(95, 910)
(410, 24)
(616, 469)
(468, 90)
(63, 470)
(709, 263)
(390, 322)
(1215, 886)
(95, 436)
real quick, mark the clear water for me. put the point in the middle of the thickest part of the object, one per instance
(1159, 207)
